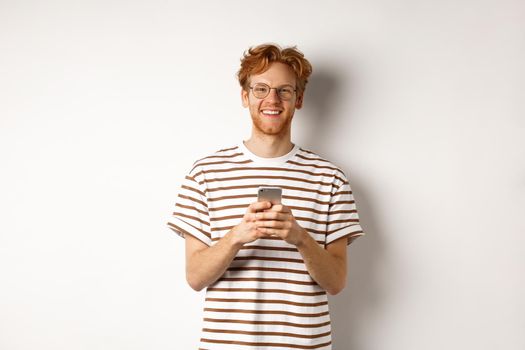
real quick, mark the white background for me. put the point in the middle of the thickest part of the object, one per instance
(104, 106)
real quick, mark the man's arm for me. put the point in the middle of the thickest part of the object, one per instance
(204, 265)
(327, 267)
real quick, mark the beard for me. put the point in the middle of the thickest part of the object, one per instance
(271, 128)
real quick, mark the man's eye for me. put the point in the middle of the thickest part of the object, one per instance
(286, 90)
(260, 89)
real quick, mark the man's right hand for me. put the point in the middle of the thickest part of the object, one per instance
(246, 231)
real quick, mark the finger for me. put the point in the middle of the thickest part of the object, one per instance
(271, 231)
(271, 215)
(280, 208)
(270, 224)
(261, 233)
(256, 206)
(250, 217)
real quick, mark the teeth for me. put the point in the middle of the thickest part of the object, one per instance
(271, 112)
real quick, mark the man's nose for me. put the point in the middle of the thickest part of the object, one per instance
(273, 96)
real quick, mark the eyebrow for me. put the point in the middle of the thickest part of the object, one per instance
(264, 82)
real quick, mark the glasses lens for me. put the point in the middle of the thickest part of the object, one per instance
(285, 92)
(260, 90)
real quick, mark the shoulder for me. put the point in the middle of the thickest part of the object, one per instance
(214, 157)
(310, 157)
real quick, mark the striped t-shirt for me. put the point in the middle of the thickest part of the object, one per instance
(266, 299)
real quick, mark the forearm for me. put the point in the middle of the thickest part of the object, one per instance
(327, 270)
(206, 266)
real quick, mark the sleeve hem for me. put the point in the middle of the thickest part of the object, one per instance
(182, 228)
(351, 231)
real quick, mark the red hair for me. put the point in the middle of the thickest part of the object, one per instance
(258, 59)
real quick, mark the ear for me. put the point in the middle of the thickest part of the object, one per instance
(245, 98)
(299, 101)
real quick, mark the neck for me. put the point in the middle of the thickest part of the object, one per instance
(268, 146)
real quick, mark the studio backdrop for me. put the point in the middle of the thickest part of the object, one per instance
(105, 105)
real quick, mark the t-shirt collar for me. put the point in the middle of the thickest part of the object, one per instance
(268, 161)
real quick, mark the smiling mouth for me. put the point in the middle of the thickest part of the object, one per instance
(271, 113)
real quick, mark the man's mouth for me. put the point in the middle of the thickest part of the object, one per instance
(270, 112)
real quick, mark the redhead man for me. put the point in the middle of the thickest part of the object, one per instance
(267, 267)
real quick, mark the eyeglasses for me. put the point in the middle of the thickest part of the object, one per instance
(261, 90)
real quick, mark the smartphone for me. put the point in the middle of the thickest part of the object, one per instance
(270, 194)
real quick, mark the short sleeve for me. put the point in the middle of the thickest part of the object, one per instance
(190, 215)
(343, 219)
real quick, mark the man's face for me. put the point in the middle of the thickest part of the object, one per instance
(263, 110)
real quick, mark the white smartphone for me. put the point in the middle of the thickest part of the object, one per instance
(270, 194)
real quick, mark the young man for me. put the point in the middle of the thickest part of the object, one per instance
(267, 268)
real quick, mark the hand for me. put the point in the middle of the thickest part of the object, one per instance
(279, 221)
(247, 231)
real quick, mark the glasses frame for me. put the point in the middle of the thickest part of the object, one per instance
(273, 88)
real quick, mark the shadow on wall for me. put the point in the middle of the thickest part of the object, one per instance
(320, 101)
(357, 305)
